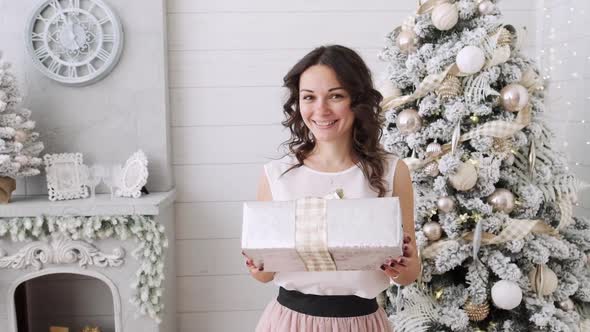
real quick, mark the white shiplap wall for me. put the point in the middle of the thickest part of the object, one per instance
(226, 63)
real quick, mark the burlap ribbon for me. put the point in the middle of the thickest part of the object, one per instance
(311, 236)
(515, 229)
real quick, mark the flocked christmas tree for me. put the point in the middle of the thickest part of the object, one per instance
(500, 247)
(19, 145)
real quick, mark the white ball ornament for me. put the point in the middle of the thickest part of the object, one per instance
(514, 97)
(470, 59)
(408, 121)
(407, 41)
(506, 294)
(445, 16)
(465, 178)
(486, 7)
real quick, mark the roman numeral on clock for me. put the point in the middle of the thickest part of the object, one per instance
(103, 55)
(42, 53)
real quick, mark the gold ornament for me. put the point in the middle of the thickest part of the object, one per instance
(445, 204)
(514, 97)
(432, 230)
(505, 38)
(408, 121)
(449, 88)
(477, 312)
(474, 119)
(465, 178)
(407, 41)
(432, 169)
(543, 280)
(439, 294)
(463, 218)
(502, 200)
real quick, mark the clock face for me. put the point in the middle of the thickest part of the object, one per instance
(75, 42)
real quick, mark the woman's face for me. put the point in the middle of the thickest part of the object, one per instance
(325, 105)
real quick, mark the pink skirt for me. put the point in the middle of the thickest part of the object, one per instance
(277, 318)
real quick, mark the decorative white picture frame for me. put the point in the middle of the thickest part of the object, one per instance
(64, 176)
(134, 176)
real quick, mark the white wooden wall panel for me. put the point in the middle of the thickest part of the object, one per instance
(227, 144)
(404, 6)
(208, 220)
(222, 293)
(226, 64)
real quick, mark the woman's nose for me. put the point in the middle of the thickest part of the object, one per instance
(322, 105)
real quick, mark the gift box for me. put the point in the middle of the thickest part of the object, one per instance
(318, 234)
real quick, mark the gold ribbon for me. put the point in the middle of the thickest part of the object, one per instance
(311, 236)
(515, 229)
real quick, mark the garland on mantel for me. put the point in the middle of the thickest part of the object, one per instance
(144, 229)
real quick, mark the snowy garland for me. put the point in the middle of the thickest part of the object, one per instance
(145, 230)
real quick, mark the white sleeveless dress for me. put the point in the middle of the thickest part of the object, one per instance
(302, 182)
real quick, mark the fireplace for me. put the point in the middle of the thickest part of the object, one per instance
(70, 300)
(106, 265)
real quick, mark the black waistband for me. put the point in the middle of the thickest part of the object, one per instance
(327, 305)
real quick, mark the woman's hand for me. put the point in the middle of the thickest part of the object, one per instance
(258, 271)
(403, 270)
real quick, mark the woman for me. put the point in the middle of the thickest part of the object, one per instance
(335, 121)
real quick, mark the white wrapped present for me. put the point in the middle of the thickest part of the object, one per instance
(318, 234)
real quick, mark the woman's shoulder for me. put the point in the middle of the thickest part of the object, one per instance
(276, 167)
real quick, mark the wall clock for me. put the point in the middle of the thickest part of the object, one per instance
(74, 42)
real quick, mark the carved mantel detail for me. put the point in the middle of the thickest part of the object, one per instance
(60, 250)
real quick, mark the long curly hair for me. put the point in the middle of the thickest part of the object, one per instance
(355, 77)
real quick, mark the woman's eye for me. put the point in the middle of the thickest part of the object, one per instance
(308, 97)
(337, 96)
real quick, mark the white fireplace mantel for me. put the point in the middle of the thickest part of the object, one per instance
(156, 204)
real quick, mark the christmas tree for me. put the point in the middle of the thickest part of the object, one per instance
(19, 147)
(500, 247)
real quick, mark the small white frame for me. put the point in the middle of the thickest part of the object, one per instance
(134, 176)
(64, 176)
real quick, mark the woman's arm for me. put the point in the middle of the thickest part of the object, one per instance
(405, 270)
(263, 194)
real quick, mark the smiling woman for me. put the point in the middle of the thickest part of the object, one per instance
(335, 121)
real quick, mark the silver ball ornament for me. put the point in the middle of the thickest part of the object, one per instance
(407, 41)
(432, 230)
(408, 121)
(486, 7)
(464, 178)
(514, 97)
(566, 305)
(445, 204)
(502, 200)
(445, 16)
